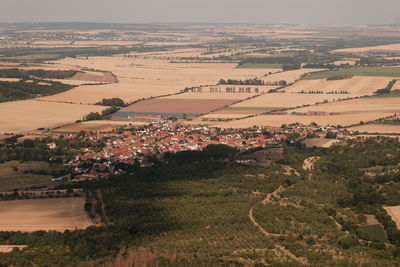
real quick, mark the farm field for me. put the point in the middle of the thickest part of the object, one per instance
(377, 128)
(390, 47)
(289, 76)
(362, 85)
(273, 102)
(393, 72)
(96, 126)
(175, 106)
(57, 214)
(207, 95)
(28, 115)
(12, 175)
(259, 66)
(146, 77)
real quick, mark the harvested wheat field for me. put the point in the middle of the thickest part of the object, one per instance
(278, 120)
(96, 126)
(377, 128)
(389, 48)
(28, 115)
(176, 106)
(208, 95)
(58, 214)
(287, 100)
(394, 212)
(369, 105)
(362, 85)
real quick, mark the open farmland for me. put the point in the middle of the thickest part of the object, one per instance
(377, 128)
(273, 102)
(169, 107)
(379, 48)
(358, 71)
(43, 214)
(362, 85)
(96, 126)
(28, 115)
(147, 77)
(289, 76)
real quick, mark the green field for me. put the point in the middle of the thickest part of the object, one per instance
(374, 232)
(362, 71)
(255, 108)
(13, 175)
(259, 66)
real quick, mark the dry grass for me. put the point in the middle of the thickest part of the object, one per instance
(57, 214)
(320, 142)
(9, 248)
(28, 115)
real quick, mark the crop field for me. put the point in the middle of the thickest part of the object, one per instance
(358, 71)
(377, 128)
(390, 48)
(361, 85)
(96, 126)
(28, 115)
(146, 77)
(57, 214)
(16, 175)
(176, 106)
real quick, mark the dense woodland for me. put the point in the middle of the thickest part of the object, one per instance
(11, 91)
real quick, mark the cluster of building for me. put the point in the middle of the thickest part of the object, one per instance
(136, 147)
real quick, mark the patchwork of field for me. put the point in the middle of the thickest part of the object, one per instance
(364, 85)
(393, 72)
(28, 115)
(289, 76)
(377, 128)
(272, 102)
(175, 106)
(344, 113)
(144, 78)
(57, 214)
(390, 48)
(96, 126)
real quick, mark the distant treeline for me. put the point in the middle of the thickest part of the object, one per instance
(41, 74)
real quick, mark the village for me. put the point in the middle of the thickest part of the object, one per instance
(133, 148)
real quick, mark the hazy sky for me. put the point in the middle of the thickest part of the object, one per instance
(252, 11)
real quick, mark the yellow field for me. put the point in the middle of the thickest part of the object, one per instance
(28, 115)
(96, 126)
(390, 48)
(394, 212)
(58, 214)
(356, 85)
(142, 78)
(377, 128)
(342, 113)
(208, 95)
